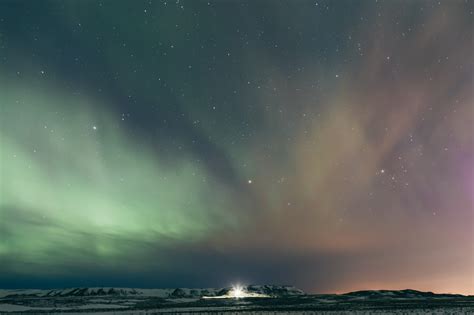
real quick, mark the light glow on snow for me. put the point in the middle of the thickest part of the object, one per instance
(238, 292)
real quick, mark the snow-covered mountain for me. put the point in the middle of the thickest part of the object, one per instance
(397, 294)
(275, 290)
(269, 290)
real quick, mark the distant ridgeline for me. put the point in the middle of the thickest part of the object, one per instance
(268, 290)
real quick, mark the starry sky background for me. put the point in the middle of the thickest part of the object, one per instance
(323, 144)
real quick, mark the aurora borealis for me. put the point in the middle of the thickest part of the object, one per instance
(323, 144)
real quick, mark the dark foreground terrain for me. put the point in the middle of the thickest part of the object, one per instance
(277, 300)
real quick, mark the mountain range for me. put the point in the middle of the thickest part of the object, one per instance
(270, 290)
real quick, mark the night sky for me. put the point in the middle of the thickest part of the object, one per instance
(323, 144)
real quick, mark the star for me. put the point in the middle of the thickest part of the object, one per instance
(249, 181)
(94, 127)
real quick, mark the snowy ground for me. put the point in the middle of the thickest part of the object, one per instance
(449, 311)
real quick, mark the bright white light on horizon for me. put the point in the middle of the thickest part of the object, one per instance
(238, 292)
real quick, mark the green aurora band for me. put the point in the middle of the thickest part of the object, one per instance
(73, 181)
